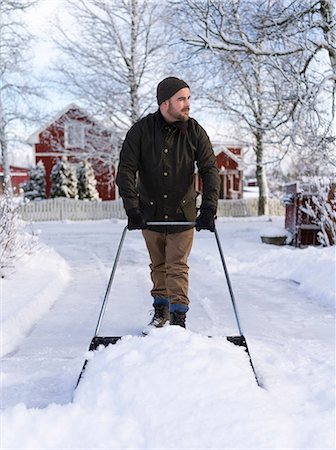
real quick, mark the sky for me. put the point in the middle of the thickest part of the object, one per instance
(39, 19)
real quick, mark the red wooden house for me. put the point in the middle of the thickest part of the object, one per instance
(78, 136)
(230, 165)
(19, 176)
(73, 133)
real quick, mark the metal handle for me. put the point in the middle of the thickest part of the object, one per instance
(241, 341)
(116, 260)
(228, 283)
(171, 223)
(102, 310)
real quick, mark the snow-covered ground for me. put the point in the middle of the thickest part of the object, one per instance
(175, 389)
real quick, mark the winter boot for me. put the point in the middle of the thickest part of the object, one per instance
(160, 317)
(178, 318)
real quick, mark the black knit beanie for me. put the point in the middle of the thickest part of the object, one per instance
(168, 87)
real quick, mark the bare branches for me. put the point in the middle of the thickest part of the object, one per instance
(110, 56)
(274, 72)
(15, 89)
(226, 26)
(14, 242)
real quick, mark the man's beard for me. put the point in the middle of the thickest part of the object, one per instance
(182, 116)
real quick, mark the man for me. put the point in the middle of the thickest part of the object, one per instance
(156, 182)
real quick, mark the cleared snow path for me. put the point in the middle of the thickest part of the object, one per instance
(290, 337)
(43, 368)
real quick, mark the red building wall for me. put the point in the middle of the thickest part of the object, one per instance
(50, 147)
(230, 175)
(19, 176)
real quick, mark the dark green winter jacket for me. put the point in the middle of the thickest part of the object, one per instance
(157, 166)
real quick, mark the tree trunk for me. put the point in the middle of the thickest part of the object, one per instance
(328, 16)
(132, 70)
(5, 163)
(263, 204)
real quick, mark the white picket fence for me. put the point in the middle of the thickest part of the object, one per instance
(248, 208)
(69, 209)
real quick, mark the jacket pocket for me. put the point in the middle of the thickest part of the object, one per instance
(188, 206)
(148, 209)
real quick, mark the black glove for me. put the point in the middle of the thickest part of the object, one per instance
(206, 220)
(136, 220)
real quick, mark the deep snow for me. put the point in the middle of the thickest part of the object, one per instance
(175, 388)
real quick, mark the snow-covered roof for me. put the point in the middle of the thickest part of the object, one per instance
(219, 148)
(34, 138)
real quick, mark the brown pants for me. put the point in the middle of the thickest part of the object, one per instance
(169, 269)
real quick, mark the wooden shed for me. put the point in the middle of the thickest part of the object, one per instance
(297, 222)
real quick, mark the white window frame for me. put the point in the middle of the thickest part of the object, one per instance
(74, 134)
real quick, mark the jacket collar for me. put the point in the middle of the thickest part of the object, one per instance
(182, 126)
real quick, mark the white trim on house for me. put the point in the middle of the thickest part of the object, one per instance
(74, 134)
(218, 149)
(34, 138)
(15, 174)
(48, 154)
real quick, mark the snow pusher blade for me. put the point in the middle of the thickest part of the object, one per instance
(95, 343)
(107, 340)
(241, 342)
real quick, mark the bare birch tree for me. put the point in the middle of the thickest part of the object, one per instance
(111, 56)
(261, 53)
(312, 129)
(16, 90)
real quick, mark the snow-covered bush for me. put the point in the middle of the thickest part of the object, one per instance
(64, 180)
(35, 188)
(86, 182)
(322, 211)
(14, 241)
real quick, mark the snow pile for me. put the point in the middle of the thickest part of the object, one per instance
(29, 293)
(172, 390)
(175, 389)
(313, 268)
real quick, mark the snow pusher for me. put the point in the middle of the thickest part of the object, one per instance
(107, 340)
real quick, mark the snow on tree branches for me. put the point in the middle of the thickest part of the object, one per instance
(322, 211)
(67, 180)
(86, 182)
(35, 188)
(64, 180)
(14, 241)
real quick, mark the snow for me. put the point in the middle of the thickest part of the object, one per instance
(174, 389)
(22, 308)
(273, 231)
